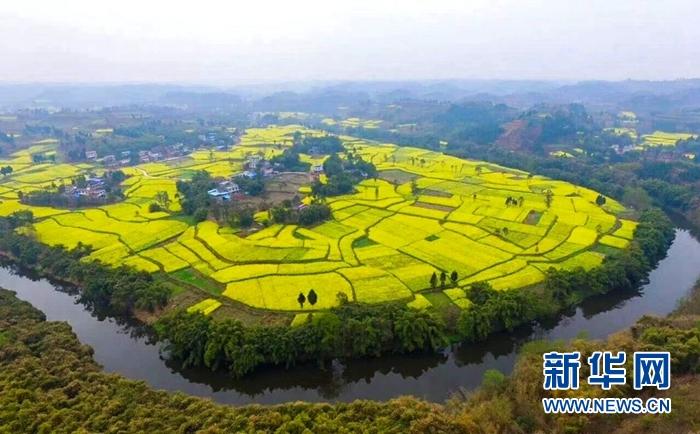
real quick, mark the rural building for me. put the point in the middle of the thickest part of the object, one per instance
(91, 155)
(224, 190)
(218, 194)
(229, 186)
(94, 188)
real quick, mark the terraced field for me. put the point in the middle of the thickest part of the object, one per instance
(425, 213)
(661, 138)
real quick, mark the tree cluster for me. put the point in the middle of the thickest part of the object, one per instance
(287, 213)
(194, 198)
(50, 383)
(59, 196)
(343, 174)
(352, 330)
(119, 290)
(502, 310)
(6, 170)
(327, 144)
(358, 330)
(289, 161)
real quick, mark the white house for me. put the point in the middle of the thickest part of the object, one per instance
(229, 187)
(218, 194)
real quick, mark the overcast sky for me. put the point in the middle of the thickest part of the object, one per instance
(232, 42)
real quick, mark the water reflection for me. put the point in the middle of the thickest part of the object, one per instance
(127, 348)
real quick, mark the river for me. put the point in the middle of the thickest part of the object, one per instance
(126, 349)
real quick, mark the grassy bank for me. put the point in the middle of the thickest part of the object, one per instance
(513, 404)
(49, 382)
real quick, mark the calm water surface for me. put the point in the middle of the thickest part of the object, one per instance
(126, 348)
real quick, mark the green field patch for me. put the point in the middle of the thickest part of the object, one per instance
(439, 300)
(361, 242)
(193, 278)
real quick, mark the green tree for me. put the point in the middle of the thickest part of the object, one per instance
(548, 197)
(414, 187)
(433, 280)
(443, 278)
(342, 298)
(454, 277)
(200, 214)
(187, 336)
(419, 330)
(312, 297)
(301, 299)
(163, 199)
(223, 337)
(479, 292)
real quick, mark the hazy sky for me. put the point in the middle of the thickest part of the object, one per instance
(229, 42)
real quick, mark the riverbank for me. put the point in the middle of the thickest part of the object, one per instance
(351, 331)
(50, 382)
(514, 404)
(433, 377)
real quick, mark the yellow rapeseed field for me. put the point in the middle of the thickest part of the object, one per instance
(426, 212)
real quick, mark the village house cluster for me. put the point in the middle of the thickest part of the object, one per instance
(94, 188)
(125, 158)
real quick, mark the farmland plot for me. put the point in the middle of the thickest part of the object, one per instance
(425, 214)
